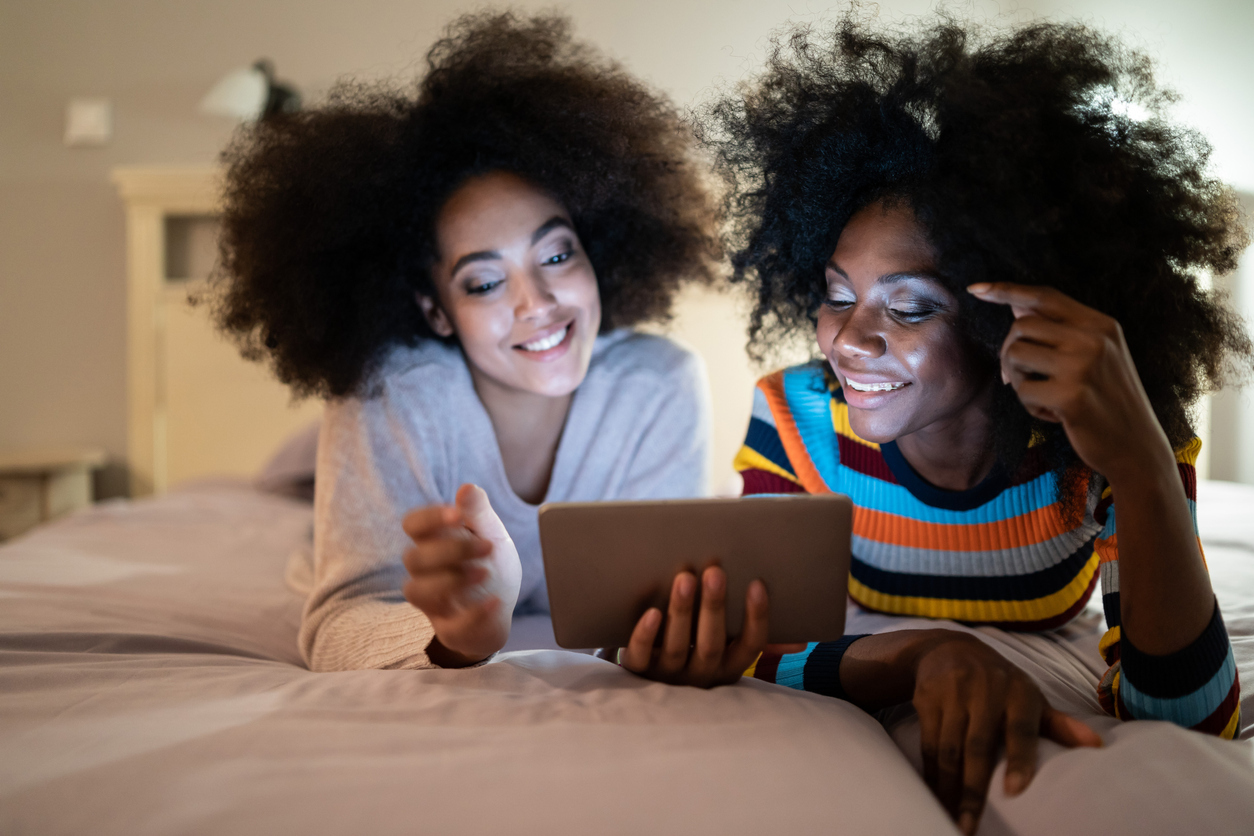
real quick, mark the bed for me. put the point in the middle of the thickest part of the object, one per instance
(150, 683)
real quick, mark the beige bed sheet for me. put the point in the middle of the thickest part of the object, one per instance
(149, 683)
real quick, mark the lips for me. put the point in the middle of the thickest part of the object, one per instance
(546, 342)
(549, 343)
(868, 390)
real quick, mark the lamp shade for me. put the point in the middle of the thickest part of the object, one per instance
(250, 93)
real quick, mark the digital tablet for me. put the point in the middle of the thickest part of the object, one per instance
(606, 563)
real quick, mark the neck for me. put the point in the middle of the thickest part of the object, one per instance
(955, 454)
(528, 428)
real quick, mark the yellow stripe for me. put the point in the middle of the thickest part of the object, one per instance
(752, 669)
(750, 459)
(962, 610)
(840, 423)
(1230, 730)
(1188, 453)
(1110, 638)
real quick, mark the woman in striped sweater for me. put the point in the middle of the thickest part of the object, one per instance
(996, 245)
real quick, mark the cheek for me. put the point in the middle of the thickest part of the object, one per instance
(940, 361)
(582, 292)
(827, 329)
(479, 326)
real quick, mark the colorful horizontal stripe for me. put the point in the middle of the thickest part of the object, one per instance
(1004, 552)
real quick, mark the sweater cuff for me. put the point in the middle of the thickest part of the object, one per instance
(1196, 687)
(1181, 673)
(822, 669)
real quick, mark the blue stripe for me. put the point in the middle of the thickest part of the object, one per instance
(878, 495)
(762, 438)
(809, 402)
(1025, 587)
(1111, 528)
(1188, 710)
(792, 666)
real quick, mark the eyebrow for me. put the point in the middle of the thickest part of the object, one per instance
(544, 229)
(889, 278)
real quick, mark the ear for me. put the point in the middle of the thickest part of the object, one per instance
(435, 316)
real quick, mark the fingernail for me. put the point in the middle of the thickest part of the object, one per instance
(713, 581)
(966, 823)
(1015, 782)
(1004, 377)
(687, 585)
(979, 287)
(757, 592)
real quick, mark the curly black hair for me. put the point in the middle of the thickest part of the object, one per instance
(1025, 158)
(328, 227)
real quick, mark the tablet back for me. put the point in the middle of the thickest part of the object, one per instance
(608, 562)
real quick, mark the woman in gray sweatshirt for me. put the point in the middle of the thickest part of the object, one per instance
(457, 268)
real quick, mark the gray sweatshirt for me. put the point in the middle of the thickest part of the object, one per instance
(638, 428)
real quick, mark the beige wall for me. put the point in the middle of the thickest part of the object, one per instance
(62, 321)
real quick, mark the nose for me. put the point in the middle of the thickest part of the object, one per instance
(859, 335)
(533, 299)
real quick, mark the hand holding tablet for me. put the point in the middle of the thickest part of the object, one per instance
(614, 568)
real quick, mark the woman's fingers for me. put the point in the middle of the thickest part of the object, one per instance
(929, 741)
(639, 651)
(429, 520)
(445, 554)
(674, 654)
(1025, 299)
(476, 510)
(1023, 726)
(979, 756)
(949, 752)
(753, 633)
(707, 654)
(1067, 730)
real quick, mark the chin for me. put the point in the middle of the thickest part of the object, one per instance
(874, 431)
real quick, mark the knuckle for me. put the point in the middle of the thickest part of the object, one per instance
(978, 745)
(949, 753)
(1021, 727)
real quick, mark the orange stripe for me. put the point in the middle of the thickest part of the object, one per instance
(1107, 548)
(772, 387)
(1014, 532)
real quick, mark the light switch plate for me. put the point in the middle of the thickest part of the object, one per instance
(88, 122)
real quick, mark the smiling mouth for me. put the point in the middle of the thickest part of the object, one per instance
(545, 343)
(874, 387)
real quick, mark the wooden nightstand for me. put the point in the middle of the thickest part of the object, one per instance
(40, 485)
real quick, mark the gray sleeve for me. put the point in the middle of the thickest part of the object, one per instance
(672, 460)
(373, 467)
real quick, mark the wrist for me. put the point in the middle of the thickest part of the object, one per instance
(446, 657)
(1147, 460)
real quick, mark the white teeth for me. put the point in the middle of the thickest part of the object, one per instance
(546, 343)
(874, 387)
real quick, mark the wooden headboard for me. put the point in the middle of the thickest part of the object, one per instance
(195, 407)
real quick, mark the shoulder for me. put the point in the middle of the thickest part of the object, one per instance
(626, 354)
(430, 377)
(803, 387)
(427, 360)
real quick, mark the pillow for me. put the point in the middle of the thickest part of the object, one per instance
(290, 471)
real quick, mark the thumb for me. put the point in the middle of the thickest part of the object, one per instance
(477, 512)
(1067, 730)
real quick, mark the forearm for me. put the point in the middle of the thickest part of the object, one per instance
(365, 634)
(1165, 595)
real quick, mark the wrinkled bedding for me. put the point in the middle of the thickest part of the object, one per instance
(149, 683)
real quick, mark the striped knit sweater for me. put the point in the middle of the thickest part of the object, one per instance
(1004, 553)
